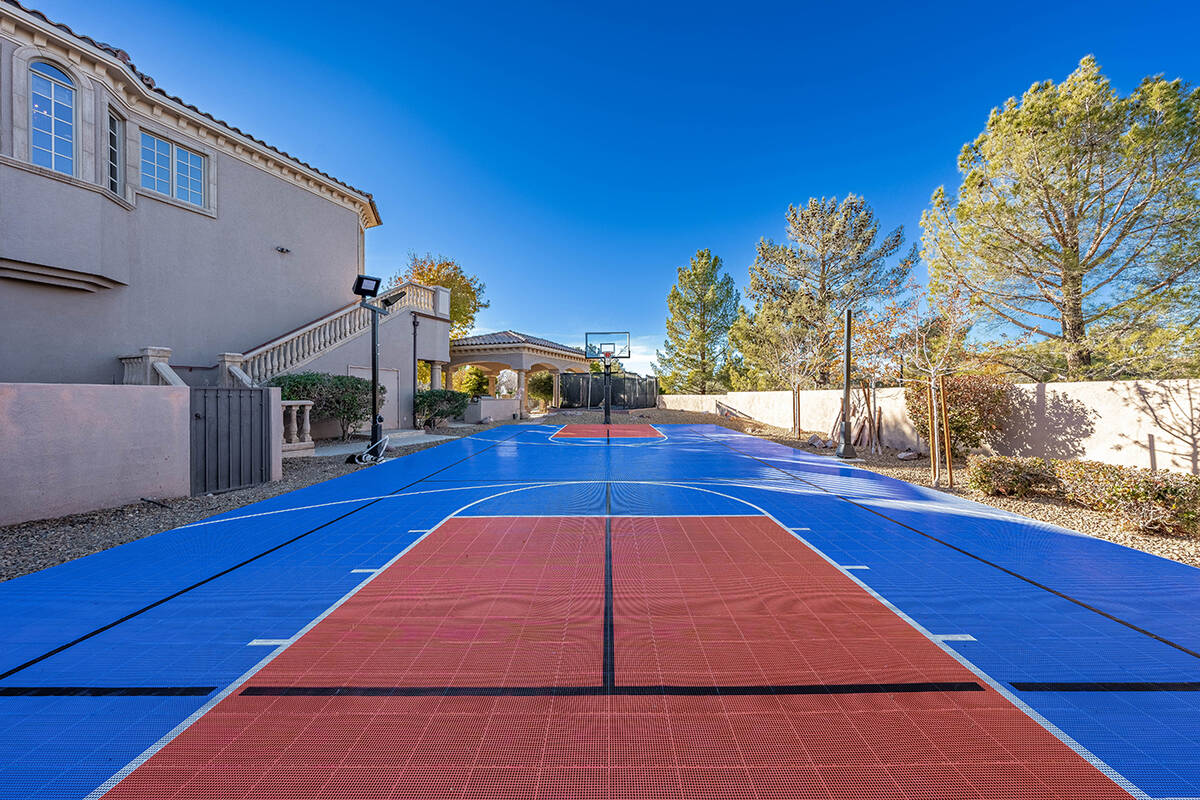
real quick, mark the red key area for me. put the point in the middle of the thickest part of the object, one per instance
(696, 602)
(608, 432)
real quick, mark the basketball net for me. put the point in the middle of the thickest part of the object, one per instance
(607, 358)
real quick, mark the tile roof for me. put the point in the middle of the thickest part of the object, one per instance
(149, 83)
(514, 338)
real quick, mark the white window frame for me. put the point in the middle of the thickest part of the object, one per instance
(114, 160)
(172, 172)
(73, 88)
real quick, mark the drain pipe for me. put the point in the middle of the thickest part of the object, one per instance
(416, 322)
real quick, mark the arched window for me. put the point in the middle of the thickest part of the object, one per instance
(52, 112)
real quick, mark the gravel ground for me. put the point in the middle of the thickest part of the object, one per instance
(32, 546)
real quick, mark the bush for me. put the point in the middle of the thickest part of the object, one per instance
(1151, 502)
(1000, 475)
(1090, 483)
(302, 385)
(436, 405)
(472, 381)
(1155, 502)
(540, 386)
(976, 406)
(341, 397)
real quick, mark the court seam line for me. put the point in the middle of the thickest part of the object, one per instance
(609, 667)
(981, 559)
(222, 573)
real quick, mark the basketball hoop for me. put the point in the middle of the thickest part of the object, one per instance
(606, 347)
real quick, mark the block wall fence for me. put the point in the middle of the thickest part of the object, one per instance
(1130, 423)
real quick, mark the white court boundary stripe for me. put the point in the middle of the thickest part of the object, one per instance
(1049, 726)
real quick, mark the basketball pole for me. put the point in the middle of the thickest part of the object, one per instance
(607, 389)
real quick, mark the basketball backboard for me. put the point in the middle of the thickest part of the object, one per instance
(597, 343)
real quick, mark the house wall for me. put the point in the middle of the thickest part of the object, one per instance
(1130, 423)
(68, 449)
(353, 357)
(199, 280)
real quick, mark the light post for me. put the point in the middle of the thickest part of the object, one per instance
(845, 447)
(366, 287)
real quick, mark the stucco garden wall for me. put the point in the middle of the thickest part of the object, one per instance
(1131, 423)
(70, 448)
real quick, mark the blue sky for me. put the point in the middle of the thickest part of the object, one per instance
(573, 155)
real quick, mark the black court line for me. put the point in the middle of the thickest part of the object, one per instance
(228, 570)
(1106, 686)
(600, 691)
(609, 669)
(968, 553)
(106, 691)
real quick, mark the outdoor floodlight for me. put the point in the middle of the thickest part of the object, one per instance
(366, 286)
(388, 302)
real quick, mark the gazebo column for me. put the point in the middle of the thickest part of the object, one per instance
(557, 402)
(435, 375)
(524, 412)
(491, 379)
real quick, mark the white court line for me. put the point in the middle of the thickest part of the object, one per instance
(268, 642)
(954, 637)
(799, 529)
(854, 566)
(368, 571)
(418, 530)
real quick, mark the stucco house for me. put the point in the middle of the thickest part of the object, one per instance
(137, 230)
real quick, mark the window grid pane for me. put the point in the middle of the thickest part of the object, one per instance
(189, 177)
(115, 145)
(52, 117)
(172, 170)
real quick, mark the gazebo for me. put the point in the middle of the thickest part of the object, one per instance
(520, 352)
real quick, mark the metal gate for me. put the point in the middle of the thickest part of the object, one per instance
(231, 439)
(586, 390)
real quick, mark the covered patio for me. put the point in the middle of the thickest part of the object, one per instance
(520, 352)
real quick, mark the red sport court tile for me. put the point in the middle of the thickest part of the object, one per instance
(697, 602)
(608, 432)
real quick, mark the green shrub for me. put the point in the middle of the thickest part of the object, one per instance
(302, 385)
(1154, 502)
(976, 406)
(341, 397)
(472, 381)
(1151, 502)
(348, 400)
(1001, 475)
(435, 405)
(540, 386)
(1090, 484)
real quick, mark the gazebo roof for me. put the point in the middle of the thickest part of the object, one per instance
(513, 338)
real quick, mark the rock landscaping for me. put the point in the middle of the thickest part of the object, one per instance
(32, 546)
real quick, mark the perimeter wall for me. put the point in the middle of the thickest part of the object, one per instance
(1131, 423)
(68, 448)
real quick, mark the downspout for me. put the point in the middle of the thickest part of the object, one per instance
(416, 322)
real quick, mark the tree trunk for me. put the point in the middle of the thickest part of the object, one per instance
(1079, 353)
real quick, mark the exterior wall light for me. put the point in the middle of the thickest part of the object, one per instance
(366, 286)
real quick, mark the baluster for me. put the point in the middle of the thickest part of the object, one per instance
(289, 424)
(304, 423)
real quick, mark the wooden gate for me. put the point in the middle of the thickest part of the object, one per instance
(231, 439)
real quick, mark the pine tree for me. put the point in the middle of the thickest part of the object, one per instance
(701, 306)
